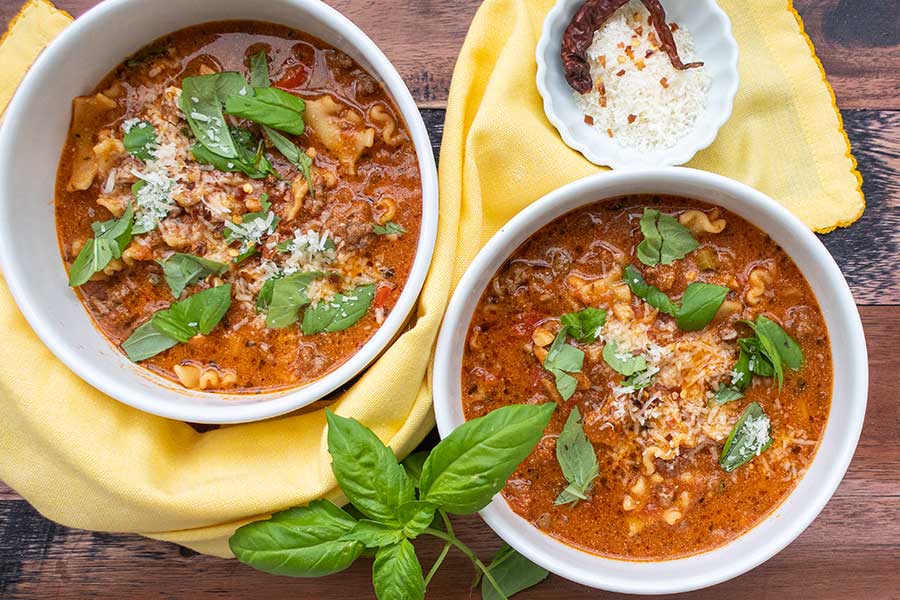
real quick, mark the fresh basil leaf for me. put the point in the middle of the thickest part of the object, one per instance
(699, 305)
(259, 69)
(143, 55)
(299, 542)
(470, 465)
(183, 270)
(195, 314)
(254, 165)
(769, 350)
(294, 155)
(512, 572)
(389, 228)
(789, 351)
(561, 360)
(639, 380)
(651, 294)
(373, 534)
(140, 140)
(416, 516)
(264, 297)
(624, 363)
(109, 241)
(665, 239)
(742, 374)
(288, 296)
(397, 574)
(202, 99)
(726, 394)
(367, 470)
(271, 107)
(576, 457)
(584, 325)
(146, 342)
(413, 465)
(338, 313)
(749, 437)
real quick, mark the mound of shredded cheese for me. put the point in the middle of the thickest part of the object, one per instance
(639, 98)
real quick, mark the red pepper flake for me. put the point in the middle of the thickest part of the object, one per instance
(602, 101)
(631, 119)
(648, 54)
(609, 132)
(620, 73)
(601, 89)
(664, 82)
(602, 60)
(588, 119)
(654, 41)
(629, 52)
(673, 27)
(620, 45)
(639, 30)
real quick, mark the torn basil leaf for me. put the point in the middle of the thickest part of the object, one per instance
(650, 294)
(259, 69)
(295, 156)
(146, 342)
(749, 437)
(202, 100)
(271, 107)
(563, 359)
(512, 572)
(183, 270)
(197, 314)
(624, 363)
(251, 159)
(286, 298)
(140, 140)
(109, 241)
(665, 239)
(389, 228)
(789, 351)
(584, 325)
(699, 305)
(339, 312)
(726, 394)
(577, 459)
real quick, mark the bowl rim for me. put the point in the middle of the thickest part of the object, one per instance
(515, 530)
(252, 406)
(612, 156)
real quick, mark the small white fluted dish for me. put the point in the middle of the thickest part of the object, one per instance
(33, 134)
(838, 442)
(714, 44)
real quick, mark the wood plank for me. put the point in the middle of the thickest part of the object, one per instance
(859, 48)
(850, 551)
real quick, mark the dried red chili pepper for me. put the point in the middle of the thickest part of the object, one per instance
(580, 34)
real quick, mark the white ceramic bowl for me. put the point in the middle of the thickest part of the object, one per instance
(713, 44)
(31, 140)
(848, 407)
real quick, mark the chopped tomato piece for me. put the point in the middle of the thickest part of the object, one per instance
(294, 78)
(382, 295)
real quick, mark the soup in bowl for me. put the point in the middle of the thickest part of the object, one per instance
(689, 331)
(245, 206)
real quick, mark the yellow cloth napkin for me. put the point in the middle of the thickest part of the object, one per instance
(87, 461)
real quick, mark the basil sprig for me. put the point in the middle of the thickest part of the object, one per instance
(562, 360)
(577, 459)
(699, 303)
(624, 363)
(259, 70)
(109, 241)
(183, 270)
(460, 475)
(665, 239)
(339, 312)
(750, 437)
(389, 228)
(140, 140)
(202, 100)
(180, 322)
(251, 161)
(284, 299)
(584, 325)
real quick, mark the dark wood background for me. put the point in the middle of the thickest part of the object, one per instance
(851, 551)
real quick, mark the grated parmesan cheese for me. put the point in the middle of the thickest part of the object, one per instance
(639, 98)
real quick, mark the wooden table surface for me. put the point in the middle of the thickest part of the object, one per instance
(851, 551)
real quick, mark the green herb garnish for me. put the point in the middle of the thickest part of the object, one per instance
(562, 360)
(271, 107)
(665, 239)
(624, 363)
(286, 297)
(389, 228)
(183, 270)
(749, 438)
(584, 325)
(140, 140)
(339, 312)
(460, 475)
(699, 305)
(651, 294)
(295, 156)
(577, 459)
(109, 241)
(259, 70)
(202, 100)
(145, 342)
(512, 572)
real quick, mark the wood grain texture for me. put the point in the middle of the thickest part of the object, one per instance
(850, 551)
(858, 42)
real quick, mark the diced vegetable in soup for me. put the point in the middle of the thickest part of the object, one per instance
(239, 206)
(690, 362)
